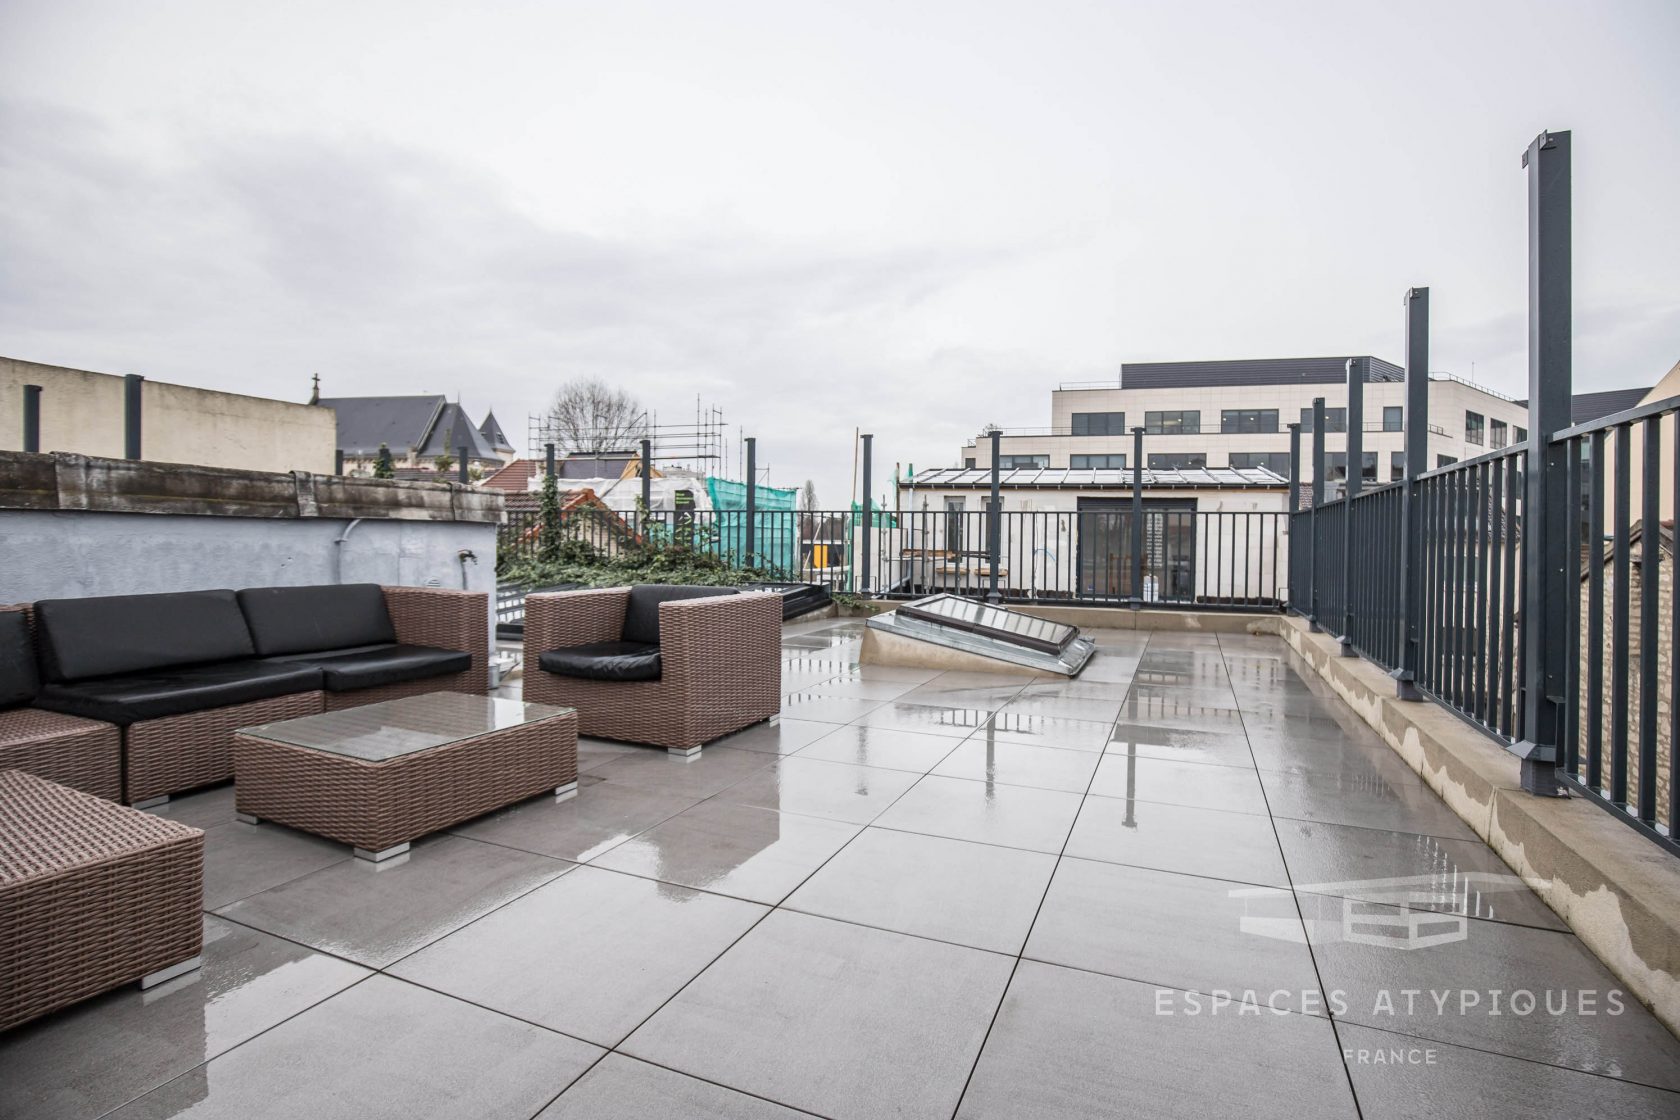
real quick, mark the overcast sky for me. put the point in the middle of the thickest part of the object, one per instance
(914, 218)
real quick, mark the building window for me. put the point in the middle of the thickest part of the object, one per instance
(1444, 461)
(1248, 420)
(1097, 462)
(1496, 434)
(1473, 428)
(968, 464)
(1396, 465)
(1394, 418)
(1015, 462)
(1335, 466)
(1177, 460)
(1522, 435)
(1099, 423)
(1335, 420)
(1275, 461)
(1182, 423)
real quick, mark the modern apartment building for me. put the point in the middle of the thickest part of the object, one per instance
(1236, 414)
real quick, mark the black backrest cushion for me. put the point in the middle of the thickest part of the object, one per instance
(112, 634)
(641, 616)
(307, 619)
(19, 679)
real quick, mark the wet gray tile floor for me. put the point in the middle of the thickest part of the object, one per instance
(1163, 889)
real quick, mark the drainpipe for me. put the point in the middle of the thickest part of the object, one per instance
(338, 550)
(466, 556)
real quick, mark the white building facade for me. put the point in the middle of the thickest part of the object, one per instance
(1236, 414)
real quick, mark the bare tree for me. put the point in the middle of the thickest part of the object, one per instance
(590, 416)
(808, 497)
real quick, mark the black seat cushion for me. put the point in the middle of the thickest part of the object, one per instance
(641, 615)
(139, 696)
(345, 670)
(110, 635)
(19, 679)
(605, 661)
(308, 619)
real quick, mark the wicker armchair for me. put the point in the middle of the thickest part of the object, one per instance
(720, 671)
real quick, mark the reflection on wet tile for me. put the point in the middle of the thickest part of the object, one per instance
(601, 816)
(591, 954)
(1235, 789)
(783, 735)
(1397, 1077)
(242, 859)
(985, 812)
(1179, 930)
(1398, 801)
(376, 913)
(1182, 743)
(927, 719)
(1236, 846)
(1048, 731)
(950, 890)
(985, 758)
(836, 790)
(416, 1053)
(1573, 1012)
(1447, 876)
(1070, 1044)
(875, 746)
(837, 1019)
(701, 776)
(739, 850)
(90, 1058)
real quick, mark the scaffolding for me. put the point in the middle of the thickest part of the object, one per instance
(699, 445)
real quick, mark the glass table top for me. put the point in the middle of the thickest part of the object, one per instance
(375, 732)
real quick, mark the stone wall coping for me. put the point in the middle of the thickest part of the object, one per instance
(65, 481)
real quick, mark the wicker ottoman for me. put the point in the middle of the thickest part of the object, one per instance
(381, 775)
(92, 896)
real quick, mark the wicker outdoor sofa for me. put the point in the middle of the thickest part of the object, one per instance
(82, 753)
(172, 676)
(670, 666)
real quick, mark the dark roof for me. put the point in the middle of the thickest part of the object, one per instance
(1586, 407)
(492, 432)
(453, 430)
(400, 423)
(1250, 371)
(603, 464)
(514, 478)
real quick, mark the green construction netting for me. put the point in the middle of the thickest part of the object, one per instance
(775, 523)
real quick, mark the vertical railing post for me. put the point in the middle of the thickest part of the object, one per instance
(132, 384)
(461, 474)
(1137, 517)
(32, 418)
(338, 461)
(647, 489)
(994, 524)
(1317, 500)
(1545, 522)
(1356, 373)
(548, 459)
(1413, 463)
(1297, 599)
(868, 521)
(752, 500)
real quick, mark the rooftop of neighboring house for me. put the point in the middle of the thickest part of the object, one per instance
(1251, 371)
(1101, 478)
(427, 426)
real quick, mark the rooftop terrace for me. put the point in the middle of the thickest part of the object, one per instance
(915, 893)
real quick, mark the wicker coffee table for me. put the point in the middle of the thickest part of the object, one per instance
(381, 775)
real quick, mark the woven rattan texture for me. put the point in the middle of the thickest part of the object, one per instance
(374, 805)
(92, 895)
(178, 753)
(442, 619)
(721, 666)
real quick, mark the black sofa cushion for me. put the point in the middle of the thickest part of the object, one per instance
(604, 661)
(116, 634)
(345, 670)
(641, 615)
(139, 696)
(308, 619)
(19, 679)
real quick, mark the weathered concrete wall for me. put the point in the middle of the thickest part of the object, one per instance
(1619, 892)
(63, 554)
(82, 411)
